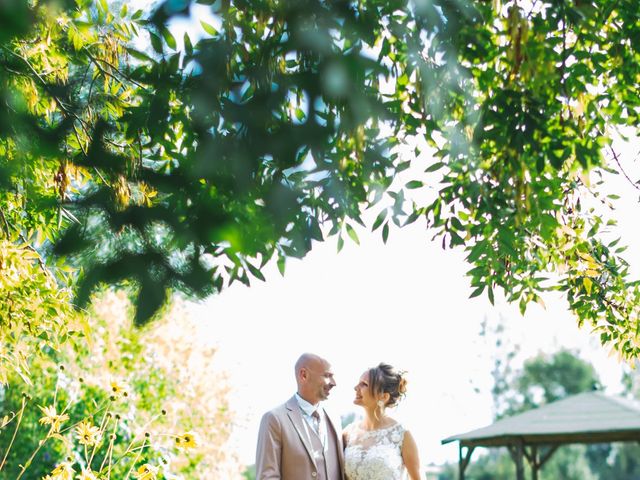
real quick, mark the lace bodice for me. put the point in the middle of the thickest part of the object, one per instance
(375, 454)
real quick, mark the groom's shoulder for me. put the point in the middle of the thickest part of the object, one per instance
(281, 409)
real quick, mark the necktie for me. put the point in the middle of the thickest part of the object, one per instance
(315, 416)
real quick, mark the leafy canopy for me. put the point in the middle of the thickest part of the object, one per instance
(191, 166)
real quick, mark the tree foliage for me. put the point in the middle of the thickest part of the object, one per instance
(125, 400)
(190, 163)
(543, 379)
(37, 316)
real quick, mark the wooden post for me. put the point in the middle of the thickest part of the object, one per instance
(519, 461)
(552, 449)
(463, 460)
(536, 460)
(534, 463)
(517, 453)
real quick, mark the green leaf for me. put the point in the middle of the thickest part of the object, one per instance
(476, 251)
(244, 278)
(379, 219)
(138, 55)
(455, 238)
(413, 184)
(352, 233)
(281, 264)
(255, 272)
(385, 232)
(478, 291)
(210, 29)
(413, 216)
(522, 305)
(402, 166)
(436, 166)
(457, 224)
(169, 38)
(156, 42)
(188, 46)
(340, 243)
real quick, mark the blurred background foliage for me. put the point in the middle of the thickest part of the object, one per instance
(156, 390)
(541, 379)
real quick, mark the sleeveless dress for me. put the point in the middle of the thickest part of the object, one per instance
(374, 454)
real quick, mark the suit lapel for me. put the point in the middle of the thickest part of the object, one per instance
(298, 424)
(332, 430)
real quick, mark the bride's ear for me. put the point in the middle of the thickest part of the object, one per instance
(386, 396)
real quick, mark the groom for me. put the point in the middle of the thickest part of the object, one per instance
(298, 440)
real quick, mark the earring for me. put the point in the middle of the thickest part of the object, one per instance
(380, 403)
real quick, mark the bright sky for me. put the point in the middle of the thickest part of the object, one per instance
(405, 303)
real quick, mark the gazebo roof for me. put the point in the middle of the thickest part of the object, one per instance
(584, 418)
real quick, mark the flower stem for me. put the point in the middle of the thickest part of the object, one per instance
(133, 464)
(15, 432)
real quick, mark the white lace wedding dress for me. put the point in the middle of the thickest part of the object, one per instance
(374, 454)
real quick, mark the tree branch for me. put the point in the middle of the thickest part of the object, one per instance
(5, 224)
(8, 227)
(615, 157)
(96, 61)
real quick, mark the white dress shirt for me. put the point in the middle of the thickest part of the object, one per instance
(307, 409)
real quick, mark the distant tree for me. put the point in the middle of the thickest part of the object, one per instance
(249, 473)
(615, 460)
(495, 465)
(547, 378)
(347, 419)
(620, 460)
(542, 379)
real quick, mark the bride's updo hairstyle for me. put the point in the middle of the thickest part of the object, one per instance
(386, 379)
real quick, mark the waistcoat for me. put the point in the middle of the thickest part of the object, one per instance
(327, 462)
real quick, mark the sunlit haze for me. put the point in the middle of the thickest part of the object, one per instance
(405, 303)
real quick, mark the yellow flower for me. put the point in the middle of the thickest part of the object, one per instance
(64, 471)
(187, 440)
(87, 475)
(118, 389)
(87, 434)
(52, 418)
(146, 472)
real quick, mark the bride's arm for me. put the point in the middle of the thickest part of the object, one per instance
(410, 456)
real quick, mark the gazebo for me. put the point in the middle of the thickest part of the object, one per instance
(590, 417)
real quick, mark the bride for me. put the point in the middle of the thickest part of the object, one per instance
(378, 447)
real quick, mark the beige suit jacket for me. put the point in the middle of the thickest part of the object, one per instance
(284, 451)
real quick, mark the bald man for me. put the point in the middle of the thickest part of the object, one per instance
(298, 440)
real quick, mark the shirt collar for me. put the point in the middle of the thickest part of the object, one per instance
(305, 406)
